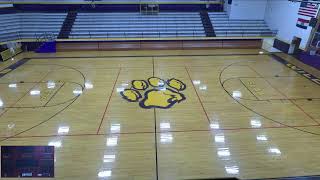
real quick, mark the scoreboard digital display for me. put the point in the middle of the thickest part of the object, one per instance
(27, 161)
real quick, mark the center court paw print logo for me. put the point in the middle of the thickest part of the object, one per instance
(155, 93)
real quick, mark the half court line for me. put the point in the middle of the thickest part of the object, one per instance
(155, 128)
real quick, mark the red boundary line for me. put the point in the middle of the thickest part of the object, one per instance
(204, 110)
(105, 111)
(152, 132)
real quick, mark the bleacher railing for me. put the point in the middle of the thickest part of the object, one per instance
(244, 33)
(91, 34)
(177, 34)
(44, 37)
(104, 1)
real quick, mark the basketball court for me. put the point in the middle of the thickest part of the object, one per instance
(243, 114)
(160, 90)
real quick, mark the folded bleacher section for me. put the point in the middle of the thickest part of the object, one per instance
(10, 27)
(30, 25)
(127, 25)
(136, 25)
(67, 25)
(207, 25)
(225, 27)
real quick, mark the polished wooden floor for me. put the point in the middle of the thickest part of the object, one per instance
(244, 115)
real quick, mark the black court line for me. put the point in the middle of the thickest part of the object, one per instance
(274, 99)
(54, 94)
(255, 71)
(42, 106)
(7, 109)
(9, 69)
(252, 110)
(177, 55)
(26, 130)
(51, 117)
(248, 89)
(13, 67)
(297, 105)
(67, 67)
(265, 78)
(39, 82)
(155, 128)
(156, 141)
(296, 69)
(311, 177)
(153, 66)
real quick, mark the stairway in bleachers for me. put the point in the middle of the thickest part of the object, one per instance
(29, 25)
(67, 25)
(207, 24)
(225, 27)
(136, 25)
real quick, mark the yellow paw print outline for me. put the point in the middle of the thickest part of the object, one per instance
(158, 93)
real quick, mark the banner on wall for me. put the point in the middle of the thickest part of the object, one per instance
(307, 11)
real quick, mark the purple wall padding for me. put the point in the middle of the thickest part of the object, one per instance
(47, 47)
(310, 60)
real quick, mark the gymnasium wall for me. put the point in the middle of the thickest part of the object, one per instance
(282, 15)
(248, 9)
(227, 7)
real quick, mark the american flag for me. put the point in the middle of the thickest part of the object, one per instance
(308, 9)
